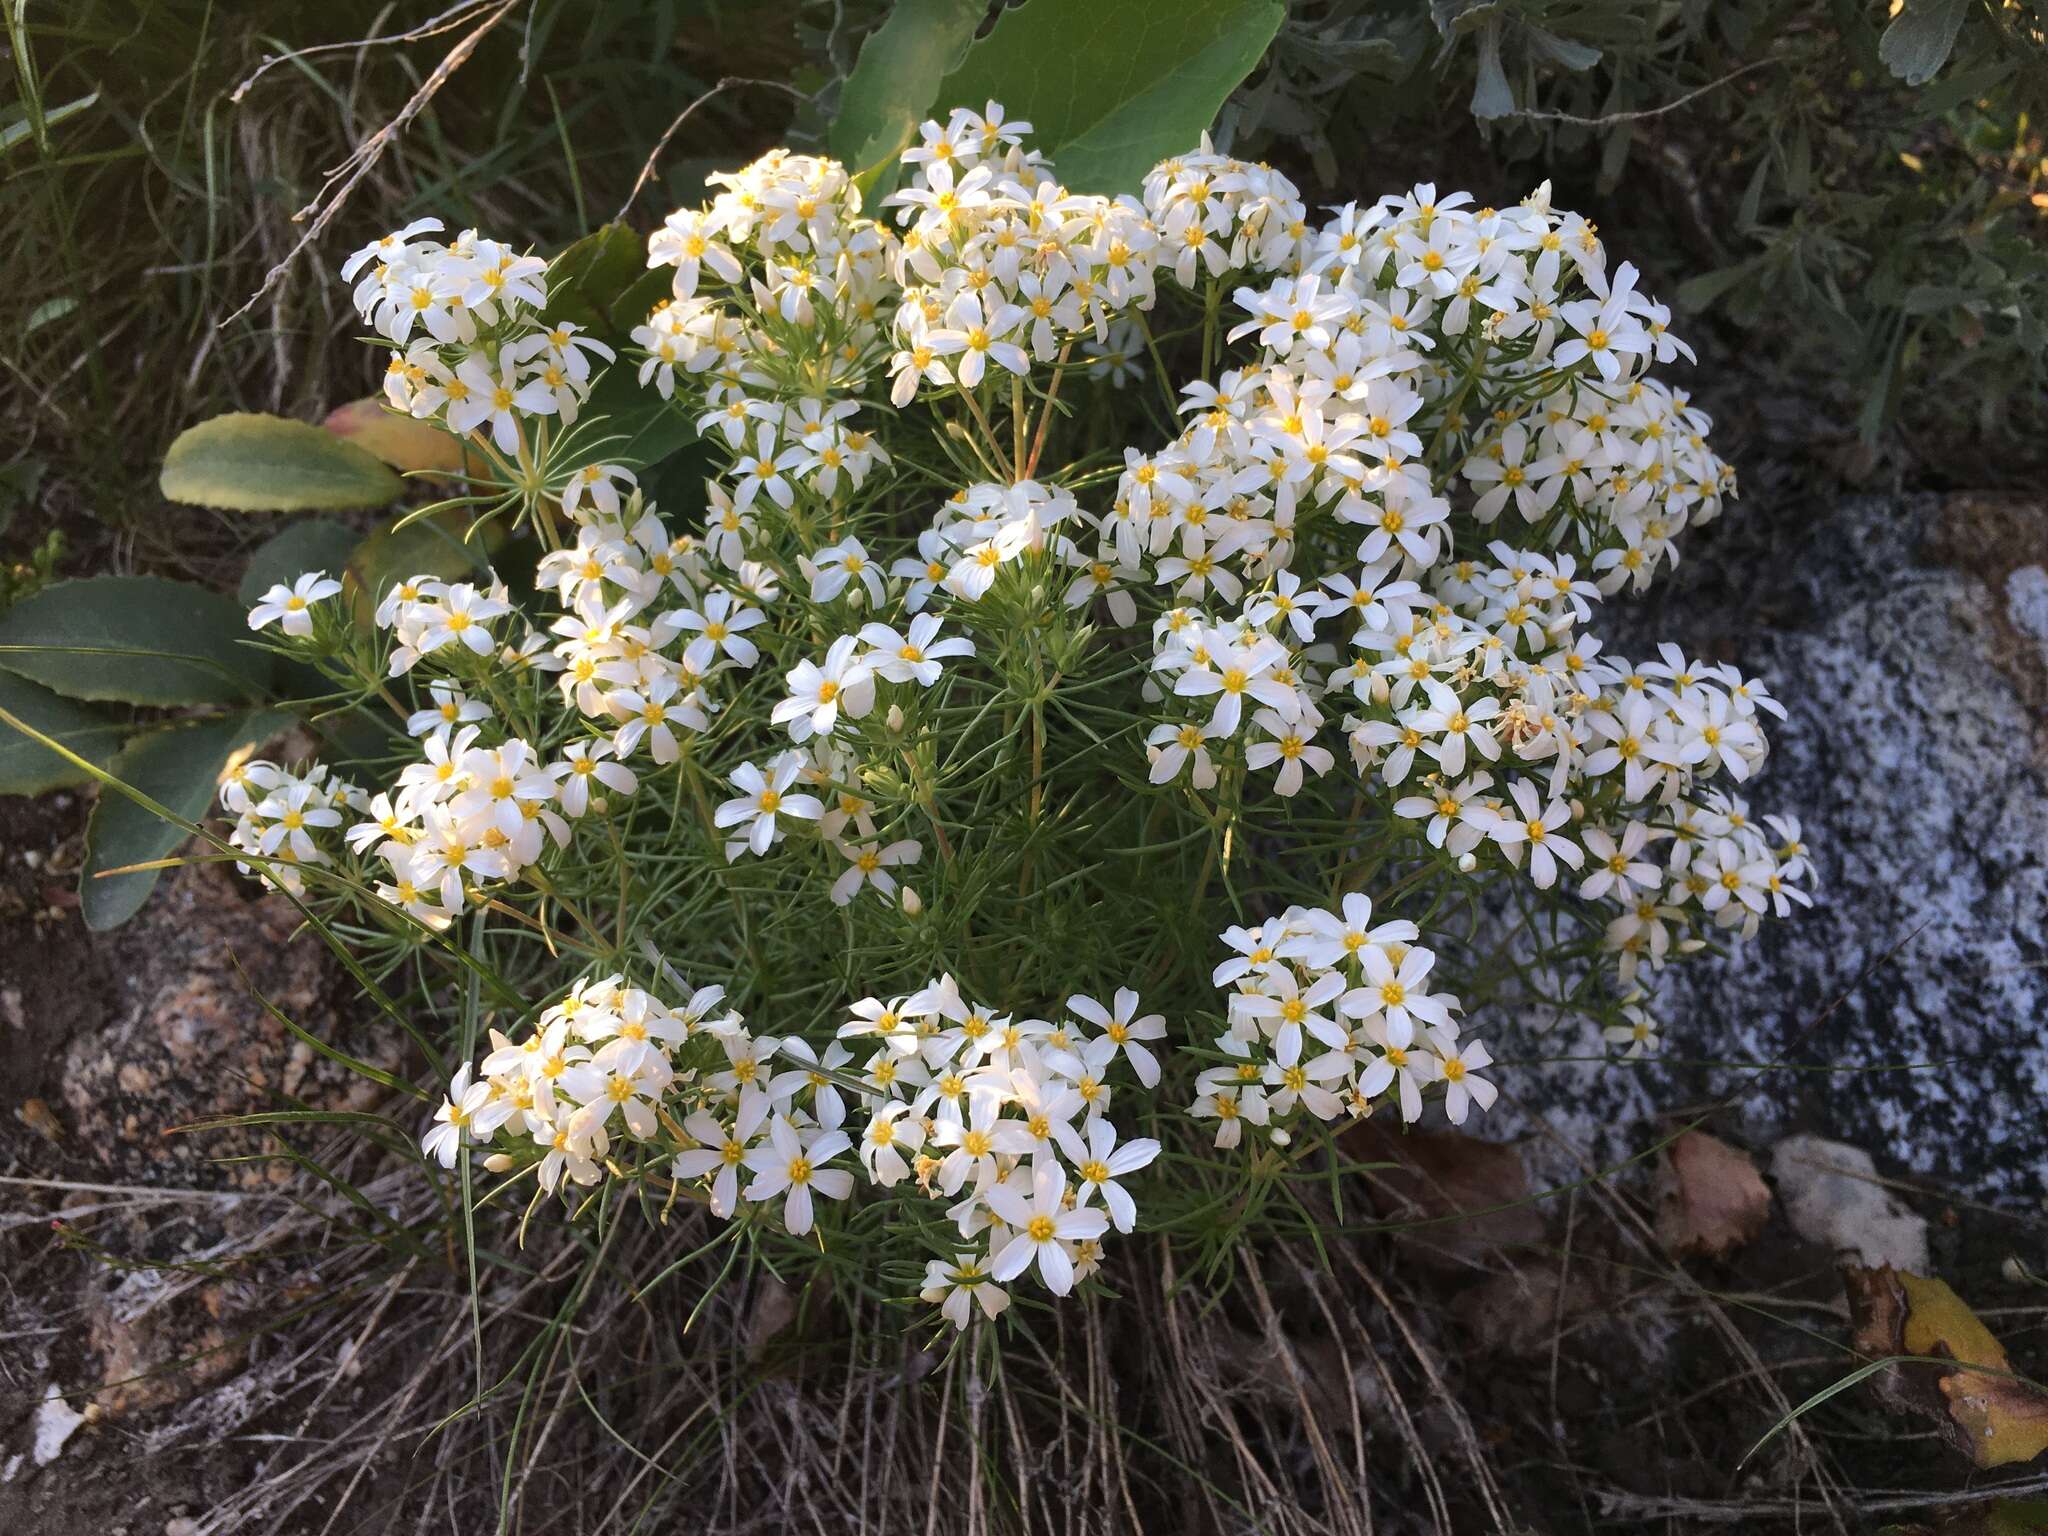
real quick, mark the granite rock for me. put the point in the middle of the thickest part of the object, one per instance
(1908, 637)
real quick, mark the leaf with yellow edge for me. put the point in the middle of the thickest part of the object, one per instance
(2003, 1421)
(1931, 1356)
(248, 462)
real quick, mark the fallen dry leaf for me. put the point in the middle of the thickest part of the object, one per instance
(1993, 1419)
(1451, 1185)
(1713, 1198)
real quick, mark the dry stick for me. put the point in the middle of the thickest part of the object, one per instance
(1312, 1281)
(1643, 1236)
(931, 1521)
(447, 21)
(363, 160)
(1297, 1378)
(1248, 1462)
(660, 144)
(1482, 1471)
(1614, 119)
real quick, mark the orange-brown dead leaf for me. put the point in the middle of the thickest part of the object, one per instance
(1993, 1419)
(400, 441)
(1714, 1200)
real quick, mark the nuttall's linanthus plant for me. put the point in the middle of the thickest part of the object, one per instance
(1033, 811)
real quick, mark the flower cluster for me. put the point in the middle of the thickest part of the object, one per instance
(278, 812)
(469, 347)
(1335, 623)
(1002, 1122)
(1327, 1011)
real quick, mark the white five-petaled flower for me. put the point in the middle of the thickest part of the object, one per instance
(1042, 1227)
(292, 606)
(794, 1163)
(818, 693)
(912, 657)
(763, 801)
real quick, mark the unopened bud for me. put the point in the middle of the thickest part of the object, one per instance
(1379, 688)
(912, 902)
(1282, 1138)
(894, 719)
(498, 1162)
(1467, 862)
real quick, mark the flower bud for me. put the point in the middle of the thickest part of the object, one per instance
(498, 1162)
(912, 902)
(894, 719)
(1467, 863)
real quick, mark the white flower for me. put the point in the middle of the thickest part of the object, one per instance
(1104, 1164)
(818, 693)
(1174, 747)
(1535, 827)
(915, 657)
(1458, 1068)
(794, 1163)
(764, 799)
(868, 864)
(1288, 744)
(1638, 1034)
(582, 763)
(464, 1101)
(891, 1133)
(958, 1288)
(1042, 1227)
(1123, 1031)
(293, 604)
(837, 565)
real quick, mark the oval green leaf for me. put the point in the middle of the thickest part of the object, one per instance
(315, 544)
(29, 768)
(134, 640)
(894, 83)
(180, 769)
(246, 462)
(1112, 87)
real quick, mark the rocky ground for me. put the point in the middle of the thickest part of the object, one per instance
(1908, 637)
(116, 1209)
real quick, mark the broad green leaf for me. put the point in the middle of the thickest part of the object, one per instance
(316, 544)
(894, 83)
(1112, 87)
(1491, 95)
(19, 483)
(587, 278)
(135, 640)
(180, 769)
(246, 462)
(27, 767)
(430, 546)
(1921, 37)
(638, 299)
(631, 425)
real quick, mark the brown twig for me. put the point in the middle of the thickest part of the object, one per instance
(1614, 119)
(345, 178)
(660, 144)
